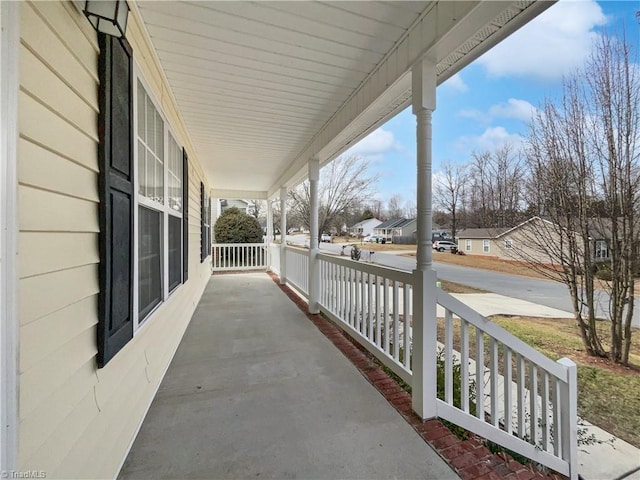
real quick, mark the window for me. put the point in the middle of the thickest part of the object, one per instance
(485, 246)
(142, 211)
(601, 249)
(467, 245)
(508, 244)
(205, 224)
(160, 198)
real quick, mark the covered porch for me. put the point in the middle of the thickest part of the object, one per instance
(255, 390)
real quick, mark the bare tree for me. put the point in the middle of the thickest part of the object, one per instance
(344, 182)
(394, 206)
(449, 191)
(584, 161)
(495, 193)
(615, 87)
(256, 208)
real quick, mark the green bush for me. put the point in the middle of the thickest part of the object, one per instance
(235, 226)
(603, 271)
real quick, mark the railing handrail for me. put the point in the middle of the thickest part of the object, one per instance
(492, 329)
(239, 244)
(388, 272)
(295, 249)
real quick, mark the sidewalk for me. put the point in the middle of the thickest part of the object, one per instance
(600, 461)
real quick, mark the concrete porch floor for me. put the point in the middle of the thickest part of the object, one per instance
(256, 391)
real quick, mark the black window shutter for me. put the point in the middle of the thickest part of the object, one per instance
(185, 216)
(203, 232)
(116, 189)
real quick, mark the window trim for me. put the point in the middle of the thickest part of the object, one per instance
(486, 246)
(165, 209)
(508, 244)
(468, 245)
(596, 250)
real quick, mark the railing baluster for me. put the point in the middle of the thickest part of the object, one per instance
(407, 326)
(377, 312)
(363, 299)
(521, 394)
(386, 314)
(557, 424)
(533, 403)
(479, 374)
(396, 321)
(448, 357)
(544, 414)
(370, 307)
(353, 289)
(356, 319)
(494, 374)
(508, 375)
(464, 364)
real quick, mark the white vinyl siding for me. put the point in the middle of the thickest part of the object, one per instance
(77, 421)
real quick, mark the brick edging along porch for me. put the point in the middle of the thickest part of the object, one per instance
(469, 458)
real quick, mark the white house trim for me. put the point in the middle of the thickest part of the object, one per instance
(9, 346)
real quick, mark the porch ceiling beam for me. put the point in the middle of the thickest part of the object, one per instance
(441, 31)
(239, 194)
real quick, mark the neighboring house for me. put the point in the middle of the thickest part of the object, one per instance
(243, 205)
(402, 227)
(480, 241)
(522, 241)
(364, 228)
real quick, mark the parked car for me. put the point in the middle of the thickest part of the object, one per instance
(373, 239)
(442, 245)
(325, 237)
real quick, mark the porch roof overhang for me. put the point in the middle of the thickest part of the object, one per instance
(263, 87)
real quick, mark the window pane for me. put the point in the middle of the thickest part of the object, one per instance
(150, 131)
(158, 184)
(175, 251)
(142, 169)
(175, 175)
(149, 261)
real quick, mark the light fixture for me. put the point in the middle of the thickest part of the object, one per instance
(108, 16)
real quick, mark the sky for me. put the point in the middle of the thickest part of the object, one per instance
(490, 102)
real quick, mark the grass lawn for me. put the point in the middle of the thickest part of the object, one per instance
(608, 394)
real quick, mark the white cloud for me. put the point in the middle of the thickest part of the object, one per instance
(513, 108)
(474, 114)
(456, 83)
(491, 139)
(375, 144)
(552, 45)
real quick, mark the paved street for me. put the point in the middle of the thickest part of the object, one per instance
(543, 292)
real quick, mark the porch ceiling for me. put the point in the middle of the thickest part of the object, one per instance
(262, 86)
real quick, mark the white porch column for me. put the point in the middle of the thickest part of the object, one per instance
(424, 386)
(314, 273)
(283, 235)
(269, 237)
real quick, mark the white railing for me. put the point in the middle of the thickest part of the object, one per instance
(492, 383)
(374, 304)
(527, 401)
(274, 259)
(239, 256)
(298, 269)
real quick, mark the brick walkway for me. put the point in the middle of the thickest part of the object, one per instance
(470, 458)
